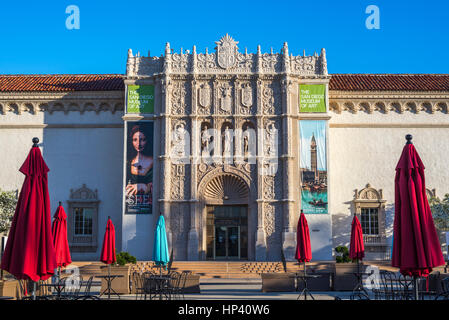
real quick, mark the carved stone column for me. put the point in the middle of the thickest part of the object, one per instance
(288, 234)
(164, 157)
(193, 242)
(261, 242)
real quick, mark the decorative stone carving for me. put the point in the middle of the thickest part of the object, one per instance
(368, 193)
(226, 52)
(178, 181)
(269, 219)
(178, 98)
(225, 187)
(204, 98)
(224, 98)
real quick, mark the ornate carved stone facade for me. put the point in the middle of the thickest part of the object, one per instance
(228, 91)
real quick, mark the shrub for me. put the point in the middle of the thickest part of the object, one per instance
(8, 202)
(124, 258)
(343, 254)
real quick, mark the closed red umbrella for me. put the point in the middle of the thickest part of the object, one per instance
(416, 247)
(303, 248)
(108, 250)
(59, 230)
(356, 246)
(29, 252)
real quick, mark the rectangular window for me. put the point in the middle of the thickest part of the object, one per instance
(370, 221)
(83, 221)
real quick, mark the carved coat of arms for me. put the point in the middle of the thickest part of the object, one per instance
(204, 98)
(226, 52)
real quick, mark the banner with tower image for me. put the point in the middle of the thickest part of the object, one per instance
(313, 166)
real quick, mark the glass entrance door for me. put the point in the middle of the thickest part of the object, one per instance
(227, 242)
(227, 232)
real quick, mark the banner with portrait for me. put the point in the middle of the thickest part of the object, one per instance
(139, 167)
(313, 166)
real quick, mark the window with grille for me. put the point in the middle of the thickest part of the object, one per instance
(83, 221)
(370, 221)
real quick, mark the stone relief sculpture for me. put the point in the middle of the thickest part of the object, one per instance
(227, 140)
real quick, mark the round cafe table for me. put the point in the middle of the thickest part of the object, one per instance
(109, 278)
(359, 290)
(303, 277)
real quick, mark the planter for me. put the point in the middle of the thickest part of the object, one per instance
(278, 282)
(344, 279)
(9, 288)
(192, 284)
(322, 283)
(119, 285)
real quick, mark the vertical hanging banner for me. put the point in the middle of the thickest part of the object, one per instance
(139, 168)
(140, 99)
(313, 166)
(312, 98)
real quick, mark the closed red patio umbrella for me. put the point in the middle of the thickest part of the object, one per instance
(108, 253)
(356, 246)
(303, 248)
(416, 247)
(108, 249)
(29, 252)
(59, 230)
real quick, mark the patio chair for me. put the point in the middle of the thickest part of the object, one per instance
(24, 293)
(138, 283)
(173, 288)
(86, 294)
(182, 284)
(444, 294)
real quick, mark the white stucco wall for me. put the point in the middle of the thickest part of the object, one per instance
(75, 156)
(369, 155)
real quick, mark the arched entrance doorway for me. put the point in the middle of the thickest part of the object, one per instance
(226, 204)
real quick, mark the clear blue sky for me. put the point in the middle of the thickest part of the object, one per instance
(413, 35)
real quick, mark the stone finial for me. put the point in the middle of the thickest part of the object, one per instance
(285, 49)
(304, 52)
(323, 61)
(271, 51)
(246, 51)
(258, 49)
(194, 49)
(167, 48)
(181, 51)
(130, 53)
(207, 50)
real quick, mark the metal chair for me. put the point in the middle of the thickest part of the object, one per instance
(444, 294)
(182, 285)
(138, 283)
(86, 294)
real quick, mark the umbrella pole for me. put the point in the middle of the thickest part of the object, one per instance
(34, 291)
(305, 272)
(415, 284)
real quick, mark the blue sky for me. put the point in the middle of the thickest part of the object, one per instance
(413, 35)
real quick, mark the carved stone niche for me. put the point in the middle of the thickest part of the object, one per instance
(370, 198)
(82, 220)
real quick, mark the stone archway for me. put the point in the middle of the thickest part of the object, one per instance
(227, 189)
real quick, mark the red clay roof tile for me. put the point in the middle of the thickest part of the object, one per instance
(114, 82)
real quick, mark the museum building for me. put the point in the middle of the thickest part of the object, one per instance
(229, 146)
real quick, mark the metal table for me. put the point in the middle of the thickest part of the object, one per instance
(109, 278)
(160, 283)
(359, 290)
(303, 277)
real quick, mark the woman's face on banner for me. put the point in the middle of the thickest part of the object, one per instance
(139, 141)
